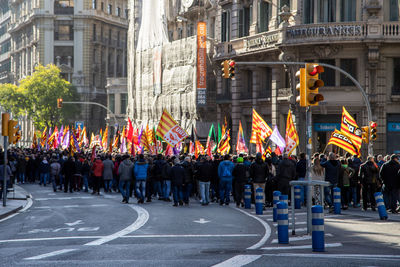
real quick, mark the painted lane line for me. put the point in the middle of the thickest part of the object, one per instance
(298, 238)
(51, 254)
(336, 256)
(73, 206)
(329, 245)
(25, 208)
(74, 223)
(61, 198)
(239, 260)
(267, 233)
(143, 217)
(297, 223)
(298, 230)
(184, 236)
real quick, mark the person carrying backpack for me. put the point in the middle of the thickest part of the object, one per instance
(225, 169)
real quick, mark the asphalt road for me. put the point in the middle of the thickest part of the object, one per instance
(79, 229)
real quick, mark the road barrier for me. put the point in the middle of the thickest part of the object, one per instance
(259, 201)
(297, 197)
(247, 196)
(318, 238)
(275, 200)
(381, 206)
(337, 201)
(283, 222)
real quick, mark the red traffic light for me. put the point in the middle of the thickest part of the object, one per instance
(232, 63)
(373, 124)
(314, 70)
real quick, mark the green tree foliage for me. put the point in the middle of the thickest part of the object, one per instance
(37, 96)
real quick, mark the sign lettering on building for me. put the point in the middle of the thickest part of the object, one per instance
(323, 31)
(201, 63)
(262, 41)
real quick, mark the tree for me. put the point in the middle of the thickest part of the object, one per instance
(11, 99)
(37, 95)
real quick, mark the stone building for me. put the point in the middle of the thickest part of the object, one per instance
(5, 42)
(359, 36)
(85, 38)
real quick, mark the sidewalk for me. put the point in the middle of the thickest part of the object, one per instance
(15, 201)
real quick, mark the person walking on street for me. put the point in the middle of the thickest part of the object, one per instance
(240, 179)
(390, 176)
(125, 171)
(225, 170)
(177, 174)
(369, 174)
(8, 174)
(285, 173)
(68, 171)
(258, 173)
(97, 170)
(44, 168)
(332, 167)
(188, 182)
(55, 169)
(204, 173)
(141, 173)
(108, 173)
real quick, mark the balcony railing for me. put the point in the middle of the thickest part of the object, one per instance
(391, 30)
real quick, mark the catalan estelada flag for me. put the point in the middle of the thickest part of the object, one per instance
(291, 138)
(259, 127)
(224, 147)
(351, 129)
(341, 140)
(241, 143)
(169, 130)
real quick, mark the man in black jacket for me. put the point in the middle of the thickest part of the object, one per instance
(258, 173)
(369, 173)
(286, 171)
(177, 174)
(239, 180)
(204, 172)
(188, 182)
(390, 176)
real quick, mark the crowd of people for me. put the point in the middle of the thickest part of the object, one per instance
(219, 179)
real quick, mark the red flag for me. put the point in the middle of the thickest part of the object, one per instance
(129, 136)
(93, 153)
(278, 151)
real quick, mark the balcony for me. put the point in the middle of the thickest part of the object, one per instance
(59, 10)
(391, 30)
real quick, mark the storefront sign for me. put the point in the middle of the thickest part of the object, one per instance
(201, 63)
(323, 31)
(326, 127)
(262, 41)
(393, 127)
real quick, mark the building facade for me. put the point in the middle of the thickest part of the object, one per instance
(85, 38)
(360, 36)
(5, 42)
(117, 95)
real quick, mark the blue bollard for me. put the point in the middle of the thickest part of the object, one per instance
(381, 206)
(318, 232)
(284, 198)
(337, 201)
(259, 201)
(247, 196)
(275, 200)
(302, 192)
(297, 197)
(283, 222)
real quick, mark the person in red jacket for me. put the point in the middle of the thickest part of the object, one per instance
(97, 171)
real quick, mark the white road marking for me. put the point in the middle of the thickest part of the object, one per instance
(143, 217)
(27, 206)
(337, 256)
(61, 198)
(201, 221)
(329, 245)
(266, 227)
(297, 223)
(298, 238)
(73, 206)
(125, 236)
(51, 254)
(74, 223)
(298, 230)
(237, 261)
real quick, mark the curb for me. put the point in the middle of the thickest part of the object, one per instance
(5, 215)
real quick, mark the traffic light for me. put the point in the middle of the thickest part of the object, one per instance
(225, 69)
(232, 64)
(365, 134)
(373, 130)
(313, 83)
(5, 117)
(301, 87)
(59, 102)
(12, 131)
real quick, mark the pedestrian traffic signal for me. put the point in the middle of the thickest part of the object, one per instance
(301, 87)
(365, 134)
(313, 83)
(232, 64)
(373, 130)
(59, 102)
(12, 131)
(225, 69)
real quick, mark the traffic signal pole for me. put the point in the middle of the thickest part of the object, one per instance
(5, 172)
(308, 174)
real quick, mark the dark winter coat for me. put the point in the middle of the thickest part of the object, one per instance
(286, 170)
(259, 171)
(332, 168)
(301, 168)
(177, 174)
(369, 173)
(240, 173)
(204, 171)
(389, 174)
(188, 167)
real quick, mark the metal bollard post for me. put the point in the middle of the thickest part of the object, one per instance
(381, 206)
(283, 222)
(337, 201)
(276, 195)
(297, 197)
(259, 201)
(247, 196)
(318, 238)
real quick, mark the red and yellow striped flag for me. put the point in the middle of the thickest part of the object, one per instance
(292, 138)
(169, 130)
(351, 129)
(340, 139)
(144, 143)
(259, 127)
(224, 147)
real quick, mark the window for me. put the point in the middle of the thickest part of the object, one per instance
(266, 82)
(64, 7)
(109, 9)
(170, 36)
(396, 76)
(118, 38)
(244, 21)
(264, 13)
(180, 33)
(326, 10)
(94, 4)
(109, 36)
(102, 6)
(349, 65)
(348, 10)
(328, 76)
(111, 102)
(118, 11)
(94, 32)
(211, 28)
(63, 30)
(124, 103)
(247, 84)
(394, 10)
(225, 26)
(308, 11)
(126, 13)
(189, 30)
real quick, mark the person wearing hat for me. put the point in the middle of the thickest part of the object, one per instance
(390, 176)
(239, 180)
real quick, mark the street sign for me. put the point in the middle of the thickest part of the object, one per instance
(79, 124)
